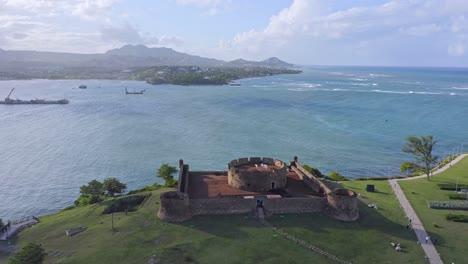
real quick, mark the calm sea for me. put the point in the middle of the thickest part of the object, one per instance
(353, 120)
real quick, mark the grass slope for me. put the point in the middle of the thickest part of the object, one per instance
(452, 237)
(227, 239)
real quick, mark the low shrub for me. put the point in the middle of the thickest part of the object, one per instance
(454, 205)
(128, 203)
(68, 208)
(457, 218)
(452, 186)
(446, 161)
(86, 199)
(313, 171)
(335, 176)
(147, 188)
(456, 196)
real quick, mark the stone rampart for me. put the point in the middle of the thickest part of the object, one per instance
(309, 181)
(312, 177)
(221, 206)
(294, 205)
(174, 207)
(240, 177)
(343, 205)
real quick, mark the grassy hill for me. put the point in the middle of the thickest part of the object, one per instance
(227, 239)
(452, 237)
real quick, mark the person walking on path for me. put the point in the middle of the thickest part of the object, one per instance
(427, 238)
(435, 241)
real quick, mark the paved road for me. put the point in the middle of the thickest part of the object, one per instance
(421, 234)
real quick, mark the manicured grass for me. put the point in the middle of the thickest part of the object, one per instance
(452, 237)
(228, 239)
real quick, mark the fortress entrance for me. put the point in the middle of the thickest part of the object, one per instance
(259, 203)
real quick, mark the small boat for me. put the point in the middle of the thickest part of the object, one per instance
(82, 86)
(234, 84)
(134, 92)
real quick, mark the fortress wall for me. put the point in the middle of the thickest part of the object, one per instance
(311, 183)
(256, 180)
(222, 206)
(181, 186)
(215, 173)
(312, 177)
(187, 177)
(294, 205)
(255, 160)
(342, 205)
(174, 207)
(261, 181)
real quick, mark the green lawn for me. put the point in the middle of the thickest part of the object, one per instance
(227, 239)
(452, 237)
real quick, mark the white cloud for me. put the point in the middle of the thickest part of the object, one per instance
(124, 33)
(421, 30)
(456, 49)
(315, 21)
(215, 7)
(170, 41)
(199, 2)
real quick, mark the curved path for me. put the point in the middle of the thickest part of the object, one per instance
(421, 234)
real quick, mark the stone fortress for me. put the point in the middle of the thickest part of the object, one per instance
(254, 184)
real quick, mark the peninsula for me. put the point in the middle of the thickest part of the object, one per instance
(136, 62)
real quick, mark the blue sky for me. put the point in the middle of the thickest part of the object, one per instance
(312, 32)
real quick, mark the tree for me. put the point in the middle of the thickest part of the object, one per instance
(421, 148)
(113, 186)
(30, 254)
(166, 172)
(1, 224)
(94, 189)
(409, 167)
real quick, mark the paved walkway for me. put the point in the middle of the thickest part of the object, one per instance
(421, 234)
(418, 228)
(444, 168)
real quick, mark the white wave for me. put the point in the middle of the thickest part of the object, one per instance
(337, 89)
(310, 85)
(364, 84)
(460, 88)
(297, 89)
(379, 75)
(453, 94)
(359, 79)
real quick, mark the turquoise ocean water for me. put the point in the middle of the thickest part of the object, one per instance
(353, 120)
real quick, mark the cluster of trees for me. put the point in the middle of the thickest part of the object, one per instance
(30, 254)
(94, 190)
(187, 75)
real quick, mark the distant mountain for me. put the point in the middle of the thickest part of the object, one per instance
(163, 56)
(272, 62)
(126, 57)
